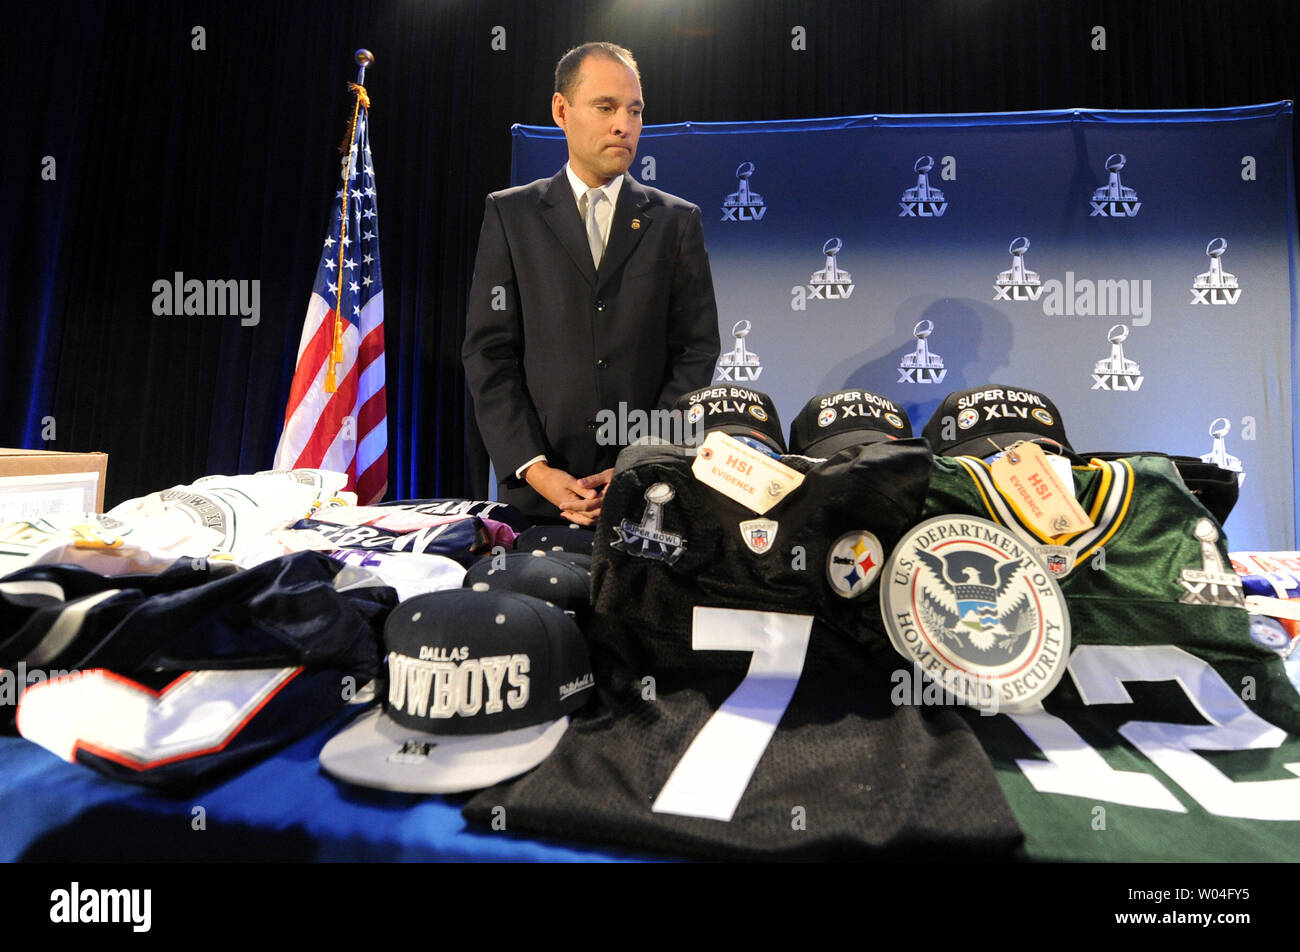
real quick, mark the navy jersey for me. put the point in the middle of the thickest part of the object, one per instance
(462, 538)
(164, 680)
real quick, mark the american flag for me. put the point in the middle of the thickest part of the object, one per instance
(345, 431)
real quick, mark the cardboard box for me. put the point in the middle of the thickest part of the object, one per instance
(36, 483)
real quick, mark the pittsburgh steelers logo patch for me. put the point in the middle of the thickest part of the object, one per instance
(1268, 633)
(826, 417)
(695, 413)
(967, 419)
(972, 606)
(757, 412)
(894, 420)
(1042, 416)
(853, 563)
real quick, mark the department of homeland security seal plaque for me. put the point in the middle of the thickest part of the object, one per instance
(976, 611)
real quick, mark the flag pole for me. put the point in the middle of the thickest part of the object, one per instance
(363, 58)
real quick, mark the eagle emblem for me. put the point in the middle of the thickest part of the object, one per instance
(974, 608)
(971, 607)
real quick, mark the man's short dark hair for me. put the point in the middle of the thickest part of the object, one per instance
(566, 70)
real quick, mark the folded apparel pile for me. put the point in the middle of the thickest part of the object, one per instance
(167, 679)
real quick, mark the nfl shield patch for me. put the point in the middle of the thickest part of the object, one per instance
(759, 535)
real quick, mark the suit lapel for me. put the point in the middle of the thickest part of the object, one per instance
(631, 220)
(560, 212)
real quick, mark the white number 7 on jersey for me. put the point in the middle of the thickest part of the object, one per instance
(712, 776)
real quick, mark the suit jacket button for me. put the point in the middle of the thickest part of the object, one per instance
(600, 304)
(603, 364)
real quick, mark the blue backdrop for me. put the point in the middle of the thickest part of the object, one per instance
(1137, 267)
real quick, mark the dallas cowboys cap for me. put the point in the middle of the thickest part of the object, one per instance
(983, 420)
(834, 421)
(556, 538)
(554, 580)
(737, 411)
(480, 686)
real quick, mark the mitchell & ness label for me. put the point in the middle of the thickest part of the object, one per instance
(968, 603)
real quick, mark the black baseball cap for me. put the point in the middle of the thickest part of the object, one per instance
(983, 420)
(737, 411)
(556, 581)
(834, 421)
(569, 538)
(480, 686)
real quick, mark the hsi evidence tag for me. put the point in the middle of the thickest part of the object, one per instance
(751, 478)
(1031, 485)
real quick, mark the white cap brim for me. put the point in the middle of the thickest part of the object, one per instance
(367, 752)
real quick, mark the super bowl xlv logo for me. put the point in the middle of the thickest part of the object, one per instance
(739, 363)
(1219, 455)
(743, 204)
(1117, 372)
(1018, 283)
(1212, 583)
(922, 365)
(1216, 286)
(923, 200)
(648, 539)
(1114, 199)
(831, 283)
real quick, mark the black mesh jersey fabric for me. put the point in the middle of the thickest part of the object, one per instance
(696, 655)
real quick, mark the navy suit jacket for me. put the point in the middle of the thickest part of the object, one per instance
(550, 342)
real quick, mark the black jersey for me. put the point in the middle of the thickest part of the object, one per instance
(746, 684)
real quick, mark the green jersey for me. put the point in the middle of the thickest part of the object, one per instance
(1173, 735)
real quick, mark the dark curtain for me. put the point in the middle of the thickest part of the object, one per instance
(221, 163)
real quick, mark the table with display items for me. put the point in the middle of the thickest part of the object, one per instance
(282, 808)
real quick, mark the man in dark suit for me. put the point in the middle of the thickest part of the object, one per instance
(591, 296)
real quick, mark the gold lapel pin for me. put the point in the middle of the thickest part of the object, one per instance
(636, 224)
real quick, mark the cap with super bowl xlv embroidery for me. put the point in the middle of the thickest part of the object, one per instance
(480, 686)
(834, 421)
(984, 420)
(737, 411)
(556, 538)
(543, 575)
